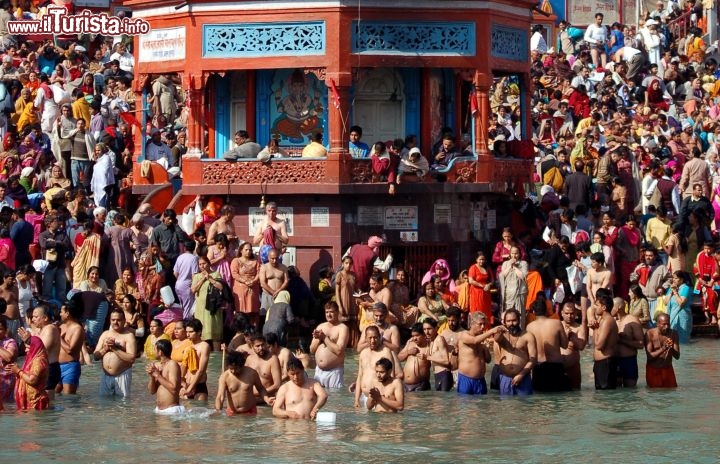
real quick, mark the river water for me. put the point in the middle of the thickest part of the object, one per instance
(623, 426)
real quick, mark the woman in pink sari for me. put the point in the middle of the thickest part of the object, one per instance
(31, 379)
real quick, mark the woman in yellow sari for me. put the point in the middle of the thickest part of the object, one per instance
(87, 254)
(31, 379)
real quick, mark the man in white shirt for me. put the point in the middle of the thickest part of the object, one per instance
(127, 61)
(634, 59)
(537, 40)
(596, 36)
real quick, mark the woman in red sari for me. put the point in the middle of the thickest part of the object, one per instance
(627, 246)
(481, 281)
(32, 378)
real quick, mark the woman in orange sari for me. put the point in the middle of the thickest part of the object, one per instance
(481, 282)
(31, 379)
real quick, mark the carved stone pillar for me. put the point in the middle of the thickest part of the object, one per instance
(482, 89)
(338, 85)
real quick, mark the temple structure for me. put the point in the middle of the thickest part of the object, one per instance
(289, 69)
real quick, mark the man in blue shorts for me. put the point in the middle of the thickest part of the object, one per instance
(518, 354)
(72, 338)
(473, 356)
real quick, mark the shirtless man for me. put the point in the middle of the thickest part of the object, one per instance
(548, 374)
(236, 384)
(273, 280)
(197, 381)
(386, 393)
(379, 293)
(72, 340)
(598, 276)
(630, 340)
(271, 221)
(451, 334)
(577, 339)
(265, 364)
(50, 336)
(283, 354)
(605, 338)
(164, 380)
(300, 398)
(9, 293)
(328, 345)
(517, 355)
(473, 356)
(438, 356)
(224, 225)
(116, 348)
(661, 346)
(389, 332)
(367, 359)
(415, 355)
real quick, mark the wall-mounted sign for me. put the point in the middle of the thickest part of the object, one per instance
(409, 236)
(257, 215)
(320, 216)
(401, 217)
(443, 214)
(370, 216)
(162, 45)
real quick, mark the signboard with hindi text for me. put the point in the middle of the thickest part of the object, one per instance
(401, 217)
(582, 12)
(162, 45)
(370, 216)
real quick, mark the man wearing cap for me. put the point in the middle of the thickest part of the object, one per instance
(634, 59)
(156, 150)
(8, 70)
(652, 40)
(365, 258)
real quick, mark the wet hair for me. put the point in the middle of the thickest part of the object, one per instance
(190, 245)
(222, 238)
(372, 328)
(607, 301)
(239, 323)
(332, 305)
(385, 363)
(196, 325)
(272, 339)
(417, 328)
(511, 311)
(637, 291)
(235, 358)
(257, 338)
(164, 346)
(539, 308)
(431, 322)
(295, 365)
(598, 257)
(453, 311)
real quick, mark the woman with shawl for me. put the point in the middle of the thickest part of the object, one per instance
(677, 303)
(31, 379)
(481, 282)
(440, 268)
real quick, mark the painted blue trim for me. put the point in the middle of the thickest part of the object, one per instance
(509, 43)
(253, 40)
(411, 85)
(417, 38)
(263, 95)
(223, 131)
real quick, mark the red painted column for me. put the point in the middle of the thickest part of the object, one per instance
(482, 88)
(338, 87)
(194, 121)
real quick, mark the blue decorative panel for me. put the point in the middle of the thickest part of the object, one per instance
(413, 37)
(297, 106)
(509, 43)
(411, 86)
(249, 40)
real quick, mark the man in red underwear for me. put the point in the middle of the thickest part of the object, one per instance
(661, 346)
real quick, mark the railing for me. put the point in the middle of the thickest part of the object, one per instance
(497, 174)
(679, 26)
